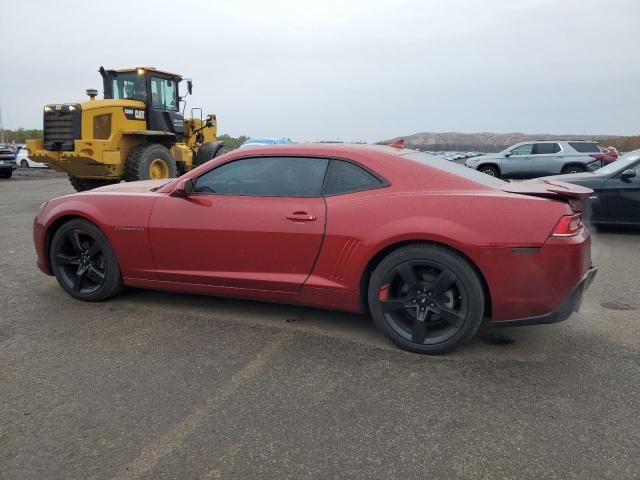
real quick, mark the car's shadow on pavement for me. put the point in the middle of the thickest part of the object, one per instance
(330, 323)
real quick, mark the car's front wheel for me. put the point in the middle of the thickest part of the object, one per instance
(24, 164)
(491, 171)
(83, 262)
(426, 298)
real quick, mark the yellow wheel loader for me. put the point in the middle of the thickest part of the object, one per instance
(137, 132)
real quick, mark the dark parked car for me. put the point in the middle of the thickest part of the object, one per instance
(537, 159)
(616, 191)
(7, 161)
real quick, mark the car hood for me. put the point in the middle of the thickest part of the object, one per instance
(143, 186)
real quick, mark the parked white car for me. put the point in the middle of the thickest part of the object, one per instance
(23, 160)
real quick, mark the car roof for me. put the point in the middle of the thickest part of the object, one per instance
(325, 149)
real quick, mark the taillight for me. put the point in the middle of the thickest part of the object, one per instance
(568, 226)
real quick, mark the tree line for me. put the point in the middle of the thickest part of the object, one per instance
(623, 144)
(20, 135)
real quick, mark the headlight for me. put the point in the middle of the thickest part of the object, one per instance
(48, 109)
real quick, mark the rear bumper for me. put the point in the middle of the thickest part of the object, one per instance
(567, 307)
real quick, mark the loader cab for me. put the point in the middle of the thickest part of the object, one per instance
(156, 89)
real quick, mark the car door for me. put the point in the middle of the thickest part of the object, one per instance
(253, 223)
(517, 163)
(547, 159)
(619, 198)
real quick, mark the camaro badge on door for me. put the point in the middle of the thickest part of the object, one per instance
(129, 229)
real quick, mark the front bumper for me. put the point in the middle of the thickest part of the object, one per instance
(565, 310)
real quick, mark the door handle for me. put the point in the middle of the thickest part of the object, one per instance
(301, 217)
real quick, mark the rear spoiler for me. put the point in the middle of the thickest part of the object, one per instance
(548, 188)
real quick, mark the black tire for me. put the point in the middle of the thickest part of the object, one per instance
(24, 163)
(209, 151)
(83, 262)
(573, 169)
(489, 170)
(143, 159)
(6, 174)
(426, 299)
(84, 184)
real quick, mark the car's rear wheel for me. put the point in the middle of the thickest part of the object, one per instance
(489, 170)
(83, 262)
(426, 298)
(6, 174)
(573, 169)
(24, 164)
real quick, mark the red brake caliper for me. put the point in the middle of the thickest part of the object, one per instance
(384, 292)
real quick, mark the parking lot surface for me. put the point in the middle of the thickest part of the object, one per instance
(157, 385)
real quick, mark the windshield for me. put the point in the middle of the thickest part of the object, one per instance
(129, 85)
(621, 164)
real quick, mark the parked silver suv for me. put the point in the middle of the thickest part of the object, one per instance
(538, 159)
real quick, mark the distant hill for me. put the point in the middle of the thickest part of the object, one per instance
(495, 142)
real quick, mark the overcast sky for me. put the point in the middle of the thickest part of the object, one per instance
(350, 70)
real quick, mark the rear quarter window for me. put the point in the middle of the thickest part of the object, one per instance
(347, 177)
(585, 147)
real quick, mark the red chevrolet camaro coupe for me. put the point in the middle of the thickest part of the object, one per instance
(428, 247)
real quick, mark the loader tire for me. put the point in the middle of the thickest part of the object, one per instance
(209, 151)
(84, 184)
(149, 161)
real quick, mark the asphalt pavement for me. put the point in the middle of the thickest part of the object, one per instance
(155, 385)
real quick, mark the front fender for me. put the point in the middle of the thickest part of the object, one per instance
(125, 228)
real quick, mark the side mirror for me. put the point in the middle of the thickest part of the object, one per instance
(189, 86)
(630, 173)
(508, 154)
(184, 188)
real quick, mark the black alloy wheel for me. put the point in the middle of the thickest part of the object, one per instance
(427, 299)
(24, 163)
(83, 262)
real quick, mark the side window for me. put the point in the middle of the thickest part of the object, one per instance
(523, 149)
(585, 147)
(346, 177)
(546, 148)
(164, 95)
(266, 177)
